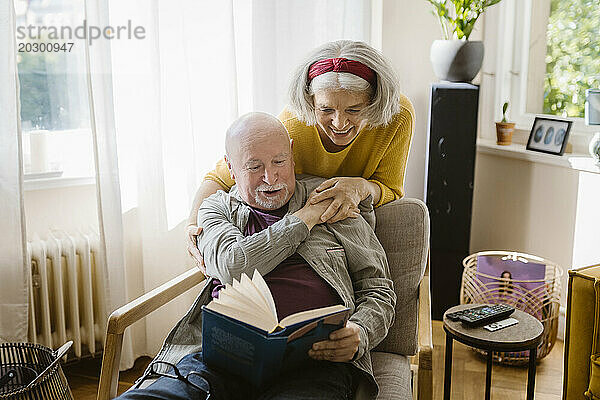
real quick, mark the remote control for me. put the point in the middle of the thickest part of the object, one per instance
(494, 326)
(481, 314)
(455, 316)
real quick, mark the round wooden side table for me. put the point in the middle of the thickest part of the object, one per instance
(526, 335)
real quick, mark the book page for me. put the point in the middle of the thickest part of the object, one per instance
(239, 315)
(241, 305)
(310, 314)
(244, 301)
(229, 291)
(262, 287)
(252, 291)
(247, 293)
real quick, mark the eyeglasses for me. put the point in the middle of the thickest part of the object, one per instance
(9, 376)
(193, 378)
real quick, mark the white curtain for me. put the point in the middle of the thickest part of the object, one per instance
(283, 32)
(172, 94)
(106, 165)
(14, 271)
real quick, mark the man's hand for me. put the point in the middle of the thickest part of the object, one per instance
(341, 347)
(345, 193)
(193, 232)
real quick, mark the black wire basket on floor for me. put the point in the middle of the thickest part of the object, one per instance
(21, 363)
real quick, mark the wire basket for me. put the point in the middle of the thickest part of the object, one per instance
(540, 298)
(27, 361)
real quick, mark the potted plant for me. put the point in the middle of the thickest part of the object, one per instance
(504, 129)
(455, 58)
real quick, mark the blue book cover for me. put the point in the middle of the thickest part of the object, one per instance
(256, 354)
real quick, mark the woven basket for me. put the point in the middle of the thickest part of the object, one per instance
(28, 360)
(543, 302)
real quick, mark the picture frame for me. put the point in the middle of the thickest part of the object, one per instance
(549, 135)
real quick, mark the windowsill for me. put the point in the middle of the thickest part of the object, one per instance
(574, 161)
(58, 182)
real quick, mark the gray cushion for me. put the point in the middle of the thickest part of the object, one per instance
(392, 373)
(403, 230)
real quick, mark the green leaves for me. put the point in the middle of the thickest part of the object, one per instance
(440, 10)
(572, 56)
(463, 16)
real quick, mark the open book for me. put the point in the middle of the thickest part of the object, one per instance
(241, 332)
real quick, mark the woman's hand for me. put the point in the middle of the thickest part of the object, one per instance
(311, 213)
(346, 193)
(193, 232)
(341, 346)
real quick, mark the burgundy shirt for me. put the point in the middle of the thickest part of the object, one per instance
(294, 283)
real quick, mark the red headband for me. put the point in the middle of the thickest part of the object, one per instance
(342, 65)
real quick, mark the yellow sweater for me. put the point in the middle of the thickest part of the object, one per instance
(378, 155)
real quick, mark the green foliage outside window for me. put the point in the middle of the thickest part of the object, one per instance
(51, 92)
(35, 93)
(572, 56)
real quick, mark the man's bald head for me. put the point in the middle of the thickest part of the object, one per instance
(259, 157)
(251, 127)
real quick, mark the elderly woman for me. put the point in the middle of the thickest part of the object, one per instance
(348, 122)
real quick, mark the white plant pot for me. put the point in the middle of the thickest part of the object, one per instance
(456, 60)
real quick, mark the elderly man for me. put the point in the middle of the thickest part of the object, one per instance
(267, 222)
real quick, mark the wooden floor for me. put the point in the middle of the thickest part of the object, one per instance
(468, 374)
(83, 376)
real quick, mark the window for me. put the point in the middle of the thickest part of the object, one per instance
(547, 55)
(55, 112)
(572, 56)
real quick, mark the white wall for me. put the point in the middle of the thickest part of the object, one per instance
(523, 206)
(408, 30)
(407, 34)
(66, 208)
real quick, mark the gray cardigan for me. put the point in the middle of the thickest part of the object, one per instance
(346, 254)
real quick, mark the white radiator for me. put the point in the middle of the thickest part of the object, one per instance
(67, 292)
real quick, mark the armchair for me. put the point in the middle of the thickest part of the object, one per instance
(402, 362)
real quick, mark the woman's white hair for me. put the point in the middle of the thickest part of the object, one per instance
(385, 96)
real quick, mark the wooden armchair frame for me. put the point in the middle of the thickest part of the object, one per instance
(422, 363)
(119, 320)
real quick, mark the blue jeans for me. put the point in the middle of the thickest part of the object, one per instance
(323, 380)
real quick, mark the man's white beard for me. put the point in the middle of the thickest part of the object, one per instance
(271, 204)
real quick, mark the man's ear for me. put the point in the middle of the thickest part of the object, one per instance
(230, 167)
(292, 144)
